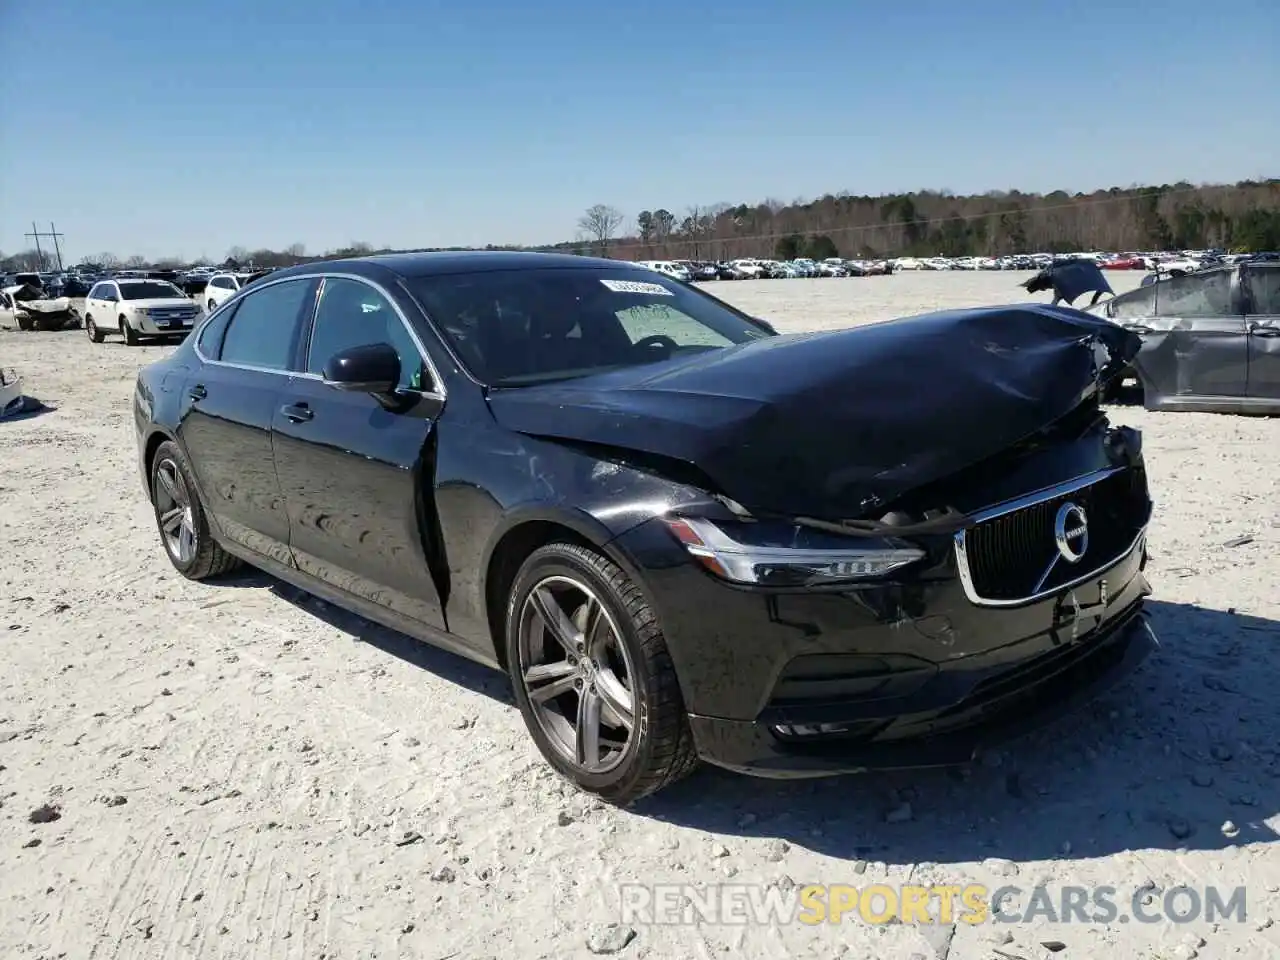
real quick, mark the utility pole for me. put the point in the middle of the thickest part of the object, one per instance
(57, 247)
(52, 234)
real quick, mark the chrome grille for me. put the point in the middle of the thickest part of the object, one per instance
(1011, 555)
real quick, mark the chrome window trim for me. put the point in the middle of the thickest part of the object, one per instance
(1021, 503)
(439, 394)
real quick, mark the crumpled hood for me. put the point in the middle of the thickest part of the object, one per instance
(831, 425)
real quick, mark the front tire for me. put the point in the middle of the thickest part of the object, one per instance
(592, 675)
(181, 520)
(130, 335)
(91, 329)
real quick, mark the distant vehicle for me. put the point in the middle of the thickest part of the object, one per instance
(730, 271)
(1125, 262)
(222, 287)
(1179, 267)
(137, 308)
(677, 271)
(1210, 339)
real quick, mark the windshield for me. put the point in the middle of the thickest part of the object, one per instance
(516, 327)
(149, 290)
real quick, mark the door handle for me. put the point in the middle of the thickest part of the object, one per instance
(1258, 330)
(297, 412)
(1138, 328)
(198, 392)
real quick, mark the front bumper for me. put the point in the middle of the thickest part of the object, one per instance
(907, 674)
(1042, 691)
(165, 326)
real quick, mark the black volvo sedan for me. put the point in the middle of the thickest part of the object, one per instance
(682, 535)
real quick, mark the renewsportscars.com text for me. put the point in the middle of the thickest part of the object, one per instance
(813, 904)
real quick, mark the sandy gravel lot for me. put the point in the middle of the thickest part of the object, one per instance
(244, 772)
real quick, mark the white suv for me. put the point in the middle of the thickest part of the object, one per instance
(222, 286)
(137, 308)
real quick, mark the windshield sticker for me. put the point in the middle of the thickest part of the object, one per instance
(636, 286)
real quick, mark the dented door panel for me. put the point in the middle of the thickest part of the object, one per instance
(1195, 342)
(1194, 356)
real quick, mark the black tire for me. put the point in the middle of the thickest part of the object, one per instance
(130, 335)
(206, 558)
(212, 306)
(659, 749)
(24, 321)
(91, 329)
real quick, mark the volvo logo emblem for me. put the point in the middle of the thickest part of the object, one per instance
(1071, 532)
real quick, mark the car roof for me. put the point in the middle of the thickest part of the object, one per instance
(453, 261)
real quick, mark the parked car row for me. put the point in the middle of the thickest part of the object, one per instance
(1173, 263)
(751, 268)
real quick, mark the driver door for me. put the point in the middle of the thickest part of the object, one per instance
(1205, 337)
(359, 478)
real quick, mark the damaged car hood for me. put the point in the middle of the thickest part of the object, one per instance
(832, 425)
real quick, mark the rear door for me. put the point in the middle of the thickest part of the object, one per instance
(247, 354)
(1262, 300)
(359, 478)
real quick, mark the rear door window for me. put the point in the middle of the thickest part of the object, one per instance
(264, 331)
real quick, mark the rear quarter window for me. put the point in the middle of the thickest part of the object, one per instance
(1138, 303)
(210, 339)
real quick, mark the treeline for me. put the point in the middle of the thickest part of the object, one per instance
(1241, 217)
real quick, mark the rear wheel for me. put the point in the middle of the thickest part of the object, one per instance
(181, 520)
(212, 306)
(91, 329)
(130, 335)
(592, 675)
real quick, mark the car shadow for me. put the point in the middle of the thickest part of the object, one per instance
(1162, 761)
(448, 666)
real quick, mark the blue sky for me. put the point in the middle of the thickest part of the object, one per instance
(418, 123)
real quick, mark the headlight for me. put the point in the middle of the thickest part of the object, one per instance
(142, 311)
(779, 555)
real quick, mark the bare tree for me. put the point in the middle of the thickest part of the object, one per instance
(108, 261)
(600, 223)
(136, 261)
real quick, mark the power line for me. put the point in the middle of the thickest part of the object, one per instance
(51, 234)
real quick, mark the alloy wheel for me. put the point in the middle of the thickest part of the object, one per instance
(173, 508)
(577, 673)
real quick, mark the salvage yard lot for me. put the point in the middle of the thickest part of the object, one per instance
(243, 771)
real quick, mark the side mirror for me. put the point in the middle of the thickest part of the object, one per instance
(766, 325)
(374, 368)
